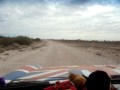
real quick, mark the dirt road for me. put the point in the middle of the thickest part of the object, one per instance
(53, 54)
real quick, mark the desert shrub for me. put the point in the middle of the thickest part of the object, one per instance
(23, 40)
(37, 39)
(6, 41)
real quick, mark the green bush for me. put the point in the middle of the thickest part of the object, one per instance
(37, 39)
(23, 40)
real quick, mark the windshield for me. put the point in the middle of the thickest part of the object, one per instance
(72, 35)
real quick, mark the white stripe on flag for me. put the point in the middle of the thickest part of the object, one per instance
(116, 70)
(7, 81)
(32, 66)
(56, 75)
(23, 70)
(86, 72)
(53, 76)
(40, 74)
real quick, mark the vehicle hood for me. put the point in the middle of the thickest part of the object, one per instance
(38, 73)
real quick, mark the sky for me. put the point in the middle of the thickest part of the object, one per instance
(61, 19)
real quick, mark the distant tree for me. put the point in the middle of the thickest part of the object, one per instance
(37, 39)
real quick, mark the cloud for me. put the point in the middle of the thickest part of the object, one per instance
(76, 2)
(61, 19)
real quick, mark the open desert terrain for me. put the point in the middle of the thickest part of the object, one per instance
(60, 53)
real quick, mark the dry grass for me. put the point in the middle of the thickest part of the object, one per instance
(111, 45)
(13, 43)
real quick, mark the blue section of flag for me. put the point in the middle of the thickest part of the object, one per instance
(18, 74)
(14, 75)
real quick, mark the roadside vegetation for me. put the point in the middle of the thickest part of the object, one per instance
(110, 45)
(8, 43)
(92, 43)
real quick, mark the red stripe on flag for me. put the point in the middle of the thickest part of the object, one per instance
(28, 68)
